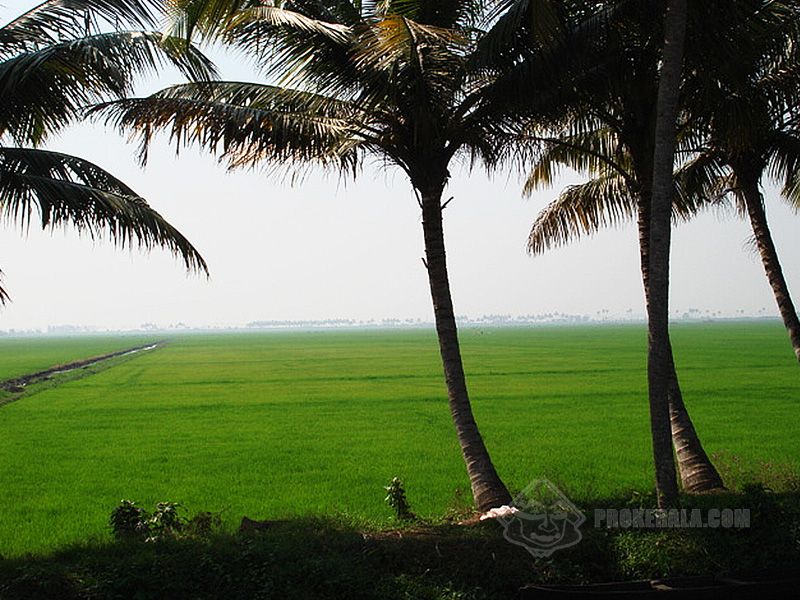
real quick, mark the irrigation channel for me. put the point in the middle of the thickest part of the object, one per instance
(17, 386)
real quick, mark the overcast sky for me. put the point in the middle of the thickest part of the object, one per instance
(327, 249)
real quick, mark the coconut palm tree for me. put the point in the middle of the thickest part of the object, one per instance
(659, 355)
(751, 121)
(348, 80)
(55, 60)
(722, 95)
(608, 131)
(611, 197)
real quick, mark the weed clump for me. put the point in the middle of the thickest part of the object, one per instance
(131, 522)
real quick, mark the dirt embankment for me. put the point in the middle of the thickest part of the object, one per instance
(17, 385)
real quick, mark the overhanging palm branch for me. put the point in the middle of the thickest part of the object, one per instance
(54, 61)
(44, 89)
(246, 124)
(65, 190)
(607, 199)
(54, 20)
(582, 210)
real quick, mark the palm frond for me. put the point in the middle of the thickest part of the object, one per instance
(244, 124)
(43, 90)
(293, 49)
(582, 210)
(208, 17)
(67, 190)
(595, 152)
(704, 181)
(516, 23)
(4, 297)
(54, 20)
(784, 165)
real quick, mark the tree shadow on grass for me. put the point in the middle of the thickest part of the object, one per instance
(310, 558)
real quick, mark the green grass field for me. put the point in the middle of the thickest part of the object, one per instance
(19, 356)
(276, 425)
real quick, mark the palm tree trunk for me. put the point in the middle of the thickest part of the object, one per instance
(658, 356)
(698, 474)
(488, 490)
(769, 257)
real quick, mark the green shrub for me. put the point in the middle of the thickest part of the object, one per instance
(128, 521)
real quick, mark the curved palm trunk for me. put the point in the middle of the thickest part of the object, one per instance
(697, 472)
(769, 257)
(488, 490)
(658, 355)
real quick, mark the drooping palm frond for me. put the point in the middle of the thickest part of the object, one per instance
(595, 152)
(582, 210)
(706, 177)
(245, 123)
(43, 90)
(54, 20)
(61, 189)
(784, 165)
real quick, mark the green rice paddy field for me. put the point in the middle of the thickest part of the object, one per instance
(275, 425)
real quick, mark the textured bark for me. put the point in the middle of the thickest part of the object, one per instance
(769, 258)
(698, 474)
(488, 490)
(658, 356)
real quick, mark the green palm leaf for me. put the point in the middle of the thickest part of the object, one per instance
(61, 189)
(245, 123)
(43, 90)
(580, 210)
(53, 20)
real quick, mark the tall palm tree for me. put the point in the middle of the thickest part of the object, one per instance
(55, 60)
(722, 100)
(393, 80)
(611, 197)
(608, 131)
(659, 355)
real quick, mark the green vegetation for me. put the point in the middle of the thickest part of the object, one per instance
(325, 557)
(23, 355)
(281, 425)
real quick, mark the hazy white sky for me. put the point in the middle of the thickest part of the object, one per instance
(325, 249)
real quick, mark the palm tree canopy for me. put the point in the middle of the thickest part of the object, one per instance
(341, 81)
(607, 123)
(55, 60)
(745, 112)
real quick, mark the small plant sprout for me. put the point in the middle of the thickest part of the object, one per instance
(396, 499)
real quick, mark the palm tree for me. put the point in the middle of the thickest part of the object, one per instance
(751, 115)
(54, 61)
(608, 130)
(610, 198)
(393, 80)
(659, 355)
